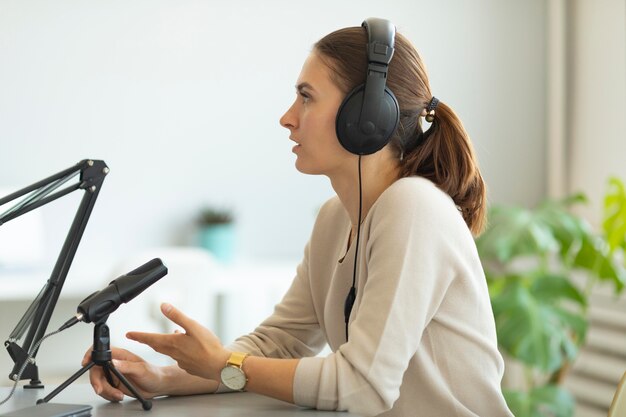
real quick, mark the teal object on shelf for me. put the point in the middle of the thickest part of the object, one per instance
(219, 239)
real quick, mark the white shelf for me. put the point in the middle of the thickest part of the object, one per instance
(15, 286)
(19, 286)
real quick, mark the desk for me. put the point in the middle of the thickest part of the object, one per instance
(219, 405)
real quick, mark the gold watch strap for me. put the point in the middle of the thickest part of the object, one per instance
(236, 359)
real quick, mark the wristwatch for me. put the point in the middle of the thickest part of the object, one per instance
(232, 374)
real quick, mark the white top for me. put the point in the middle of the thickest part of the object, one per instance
(422, 333)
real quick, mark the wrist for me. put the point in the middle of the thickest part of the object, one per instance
(169, 375)
(221, 359)
(177, 381)
(232, 374)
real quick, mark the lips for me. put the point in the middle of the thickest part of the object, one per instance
(297, 146)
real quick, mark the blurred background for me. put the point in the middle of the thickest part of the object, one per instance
(181, 99)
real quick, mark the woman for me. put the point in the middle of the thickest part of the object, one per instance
(416, 334)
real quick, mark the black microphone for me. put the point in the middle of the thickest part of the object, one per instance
(101, 303)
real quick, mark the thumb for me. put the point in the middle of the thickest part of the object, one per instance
(129, 367)
(177, 316)
(86, 358)
(166, 308)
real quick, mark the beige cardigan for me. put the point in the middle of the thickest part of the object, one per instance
(422, 334)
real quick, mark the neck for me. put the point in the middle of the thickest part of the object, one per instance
(378, 171)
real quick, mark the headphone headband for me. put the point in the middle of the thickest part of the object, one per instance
(381, 36)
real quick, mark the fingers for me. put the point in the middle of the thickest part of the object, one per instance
(117, 353)
(166, 344)
(161, 343)
(87, 357)
(99, 381)
(140, 372)
(102, 387)
(129, 368)
(125, 355)
(178, 317)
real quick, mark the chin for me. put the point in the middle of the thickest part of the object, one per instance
(307, 168)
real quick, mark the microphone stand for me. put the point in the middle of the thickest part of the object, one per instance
(100, 356)
(38, 314)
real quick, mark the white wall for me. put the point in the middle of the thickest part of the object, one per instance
(182, 100)
(597, 145)
(598, 97)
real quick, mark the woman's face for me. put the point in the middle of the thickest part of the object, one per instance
(311, 121)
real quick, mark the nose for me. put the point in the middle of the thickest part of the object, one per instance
(289, 120)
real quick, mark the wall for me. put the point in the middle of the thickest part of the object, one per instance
(182, 100)
(598, 98)
(596, 146)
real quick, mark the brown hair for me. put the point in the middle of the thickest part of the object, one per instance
(444, 154)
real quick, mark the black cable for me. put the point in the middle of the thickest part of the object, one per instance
(32, 351)
(349, 303)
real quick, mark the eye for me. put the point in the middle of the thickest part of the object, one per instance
(305, 97)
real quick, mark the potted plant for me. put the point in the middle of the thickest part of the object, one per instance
(533, 261)
(217, 232)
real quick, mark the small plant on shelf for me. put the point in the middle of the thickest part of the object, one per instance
(217, 232)
(210, 216)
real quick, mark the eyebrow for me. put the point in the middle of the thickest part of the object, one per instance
(304, 85)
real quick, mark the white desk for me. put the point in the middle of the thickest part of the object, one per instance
(223, 405)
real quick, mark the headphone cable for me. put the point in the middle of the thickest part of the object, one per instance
(352, 294)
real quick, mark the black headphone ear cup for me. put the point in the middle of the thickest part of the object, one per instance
(374, 135)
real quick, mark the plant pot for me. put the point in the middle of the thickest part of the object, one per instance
(219, 239)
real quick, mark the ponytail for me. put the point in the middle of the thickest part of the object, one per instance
(445, 156)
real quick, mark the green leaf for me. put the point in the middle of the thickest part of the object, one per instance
(551, 288)
(576, 198)
(614, 215)
(594, 257)
(550, 228)
(545, 401)
(514, 232)
(568, 230)
(532, 322)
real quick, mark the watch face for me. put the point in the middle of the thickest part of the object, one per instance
(233, 377)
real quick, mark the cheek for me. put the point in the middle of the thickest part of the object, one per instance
(326, 124)
(330, 136)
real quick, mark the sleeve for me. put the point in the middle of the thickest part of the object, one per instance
(293, 330)
(408, 273)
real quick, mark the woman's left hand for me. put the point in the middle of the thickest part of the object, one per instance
(197, 351)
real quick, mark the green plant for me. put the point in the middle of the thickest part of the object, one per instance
(535, 261)
(210, 216)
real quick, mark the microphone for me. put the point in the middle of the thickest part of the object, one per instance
(101, 303)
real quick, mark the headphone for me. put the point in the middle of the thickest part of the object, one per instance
(369, 114)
